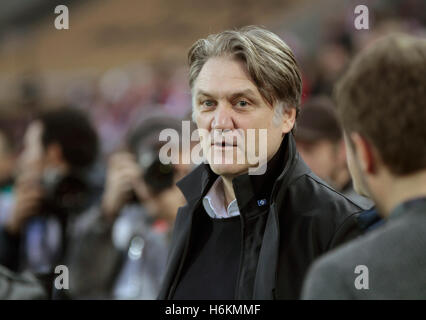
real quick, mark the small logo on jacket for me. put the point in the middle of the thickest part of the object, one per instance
(261, 202)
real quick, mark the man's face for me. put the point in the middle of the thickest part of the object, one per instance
(322, 157)
(226, 100)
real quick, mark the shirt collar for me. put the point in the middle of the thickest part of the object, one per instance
(214, 202)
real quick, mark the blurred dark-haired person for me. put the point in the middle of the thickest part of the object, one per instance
(381, 102)
(51, 189)
(319, 139)
(13, 285)
(133, 222)
(320, 142)
(247, 234)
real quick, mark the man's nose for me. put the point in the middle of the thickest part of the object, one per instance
(223, 118)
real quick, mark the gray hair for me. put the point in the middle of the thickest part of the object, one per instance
(269, 61)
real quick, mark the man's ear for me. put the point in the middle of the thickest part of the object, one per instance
(288, 119)
(364, 152)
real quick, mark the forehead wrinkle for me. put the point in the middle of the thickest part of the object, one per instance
(219, 73)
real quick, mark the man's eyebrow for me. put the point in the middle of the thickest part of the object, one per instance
(247, 92)
(204, 93)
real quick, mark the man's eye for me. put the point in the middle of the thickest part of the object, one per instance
(242, 103)
(207, 103)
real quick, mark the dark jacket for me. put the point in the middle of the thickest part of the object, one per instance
(304, 218)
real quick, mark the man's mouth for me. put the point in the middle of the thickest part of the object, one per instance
(224, 141)
(223, 144)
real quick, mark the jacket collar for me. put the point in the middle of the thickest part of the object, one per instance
(194, 185)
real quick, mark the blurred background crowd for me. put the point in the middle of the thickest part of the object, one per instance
(81, 109)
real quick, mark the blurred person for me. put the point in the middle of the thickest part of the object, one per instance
(244, 236)
(381, 101)
(319, 139)
(50, 191)
(12, 285)
(133, 221)
(331, 60)
(144, 267)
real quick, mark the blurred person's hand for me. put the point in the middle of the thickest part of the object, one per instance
(29, 195)
(123, 174)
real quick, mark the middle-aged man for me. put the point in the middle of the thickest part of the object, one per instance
(242, 235)
(381, 101)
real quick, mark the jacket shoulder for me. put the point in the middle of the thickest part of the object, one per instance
(319, 198)
(329, 215)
